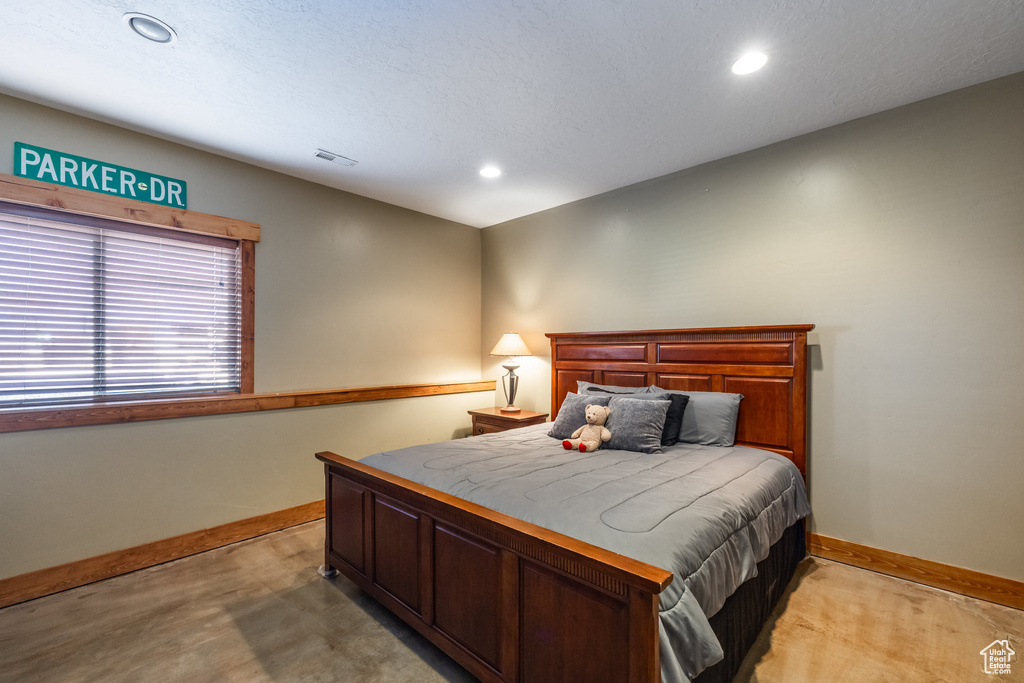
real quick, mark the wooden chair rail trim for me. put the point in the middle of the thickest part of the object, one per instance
(35, 193)
(79, 573)
(631, 572)
(49, 417)
(947, 577)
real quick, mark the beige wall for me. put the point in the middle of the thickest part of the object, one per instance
(349, 292)
(901, 236)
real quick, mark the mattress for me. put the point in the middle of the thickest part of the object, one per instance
(708, 514)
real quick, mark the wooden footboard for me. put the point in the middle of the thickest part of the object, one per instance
(508, 600)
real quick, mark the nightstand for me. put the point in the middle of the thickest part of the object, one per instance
(490, 420)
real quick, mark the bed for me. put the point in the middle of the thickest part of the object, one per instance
(516, 595)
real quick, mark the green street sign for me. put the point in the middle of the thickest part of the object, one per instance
(39, 163)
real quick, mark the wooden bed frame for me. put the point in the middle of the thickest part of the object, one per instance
(514, 602)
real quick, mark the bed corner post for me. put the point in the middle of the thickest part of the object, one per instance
(553, 409)
(644, 662)
(326, 570)
(800, 382)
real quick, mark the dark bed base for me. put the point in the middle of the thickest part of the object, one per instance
(516, 603)
(746, 611)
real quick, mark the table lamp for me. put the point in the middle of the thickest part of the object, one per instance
(510, 345)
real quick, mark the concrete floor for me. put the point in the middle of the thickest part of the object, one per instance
(838, 623)
(258, 611)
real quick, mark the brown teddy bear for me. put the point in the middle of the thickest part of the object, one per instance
(590, 436)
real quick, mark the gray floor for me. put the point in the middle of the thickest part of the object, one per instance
(254, 611)
(839, 623)
(258, 611)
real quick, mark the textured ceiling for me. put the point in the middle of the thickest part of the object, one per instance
(570, 98)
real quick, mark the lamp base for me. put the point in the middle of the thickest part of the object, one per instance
(510, 390)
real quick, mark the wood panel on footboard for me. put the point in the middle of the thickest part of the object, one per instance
(508, 600)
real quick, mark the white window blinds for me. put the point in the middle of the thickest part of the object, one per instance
(95, 310)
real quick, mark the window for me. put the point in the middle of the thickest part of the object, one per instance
(94, 309)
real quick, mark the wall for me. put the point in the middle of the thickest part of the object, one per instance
(349, 292)
(899, 235)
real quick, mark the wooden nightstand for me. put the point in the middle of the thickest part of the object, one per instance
(490, 420)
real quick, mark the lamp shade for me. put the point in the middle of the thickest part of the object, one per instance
(511, 344)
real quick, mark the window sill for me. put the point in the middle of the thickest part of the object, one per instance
(51, 417)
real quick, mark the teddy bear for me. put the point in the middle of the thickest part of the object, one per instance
(590, 436)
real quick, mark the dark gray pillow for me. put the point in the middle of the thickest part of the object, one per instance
(573, 413)
(710, 418)
(636, 424)
(589, 388)
(673, 417)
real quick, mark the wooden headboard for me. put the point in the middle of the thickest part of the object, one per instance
(768, 365)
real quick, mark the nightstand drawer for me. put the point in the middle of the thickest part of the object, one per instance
(491, 420)
(487, 428)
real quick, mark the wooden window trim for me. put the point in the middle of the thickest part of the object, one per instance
(132, 213)
(247, 370)
(71, 200)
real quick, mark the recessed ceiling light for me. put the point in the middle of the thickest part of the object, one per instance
(490, 171)
(749, 63)
(150, 28)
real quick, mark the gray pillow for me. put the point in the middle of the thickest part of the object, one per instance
(589, 387)
(673, 417)
(636, 424)
(573, 414)
(710, 418)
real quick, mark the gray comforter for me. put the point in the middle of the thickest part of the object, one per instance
(708, 514)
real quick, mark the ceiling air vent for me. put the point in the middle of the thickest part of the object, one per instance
(335, 158)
